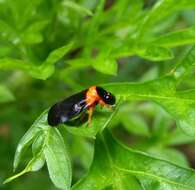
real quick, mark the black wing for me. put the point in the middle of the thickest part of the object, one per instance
(67, 109)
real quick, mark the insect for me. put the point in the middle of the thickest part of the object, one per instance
(78, 104)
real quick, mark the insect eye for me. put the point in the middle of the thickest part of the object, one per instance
(107, 97)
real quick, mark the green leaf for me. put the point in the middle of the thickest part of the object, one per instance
(24, 144)
(5, 94)
(113, 161)
(38, 143)
(47, 144)
(187, 108)
(166, 8)
(45, 70)
(181, 104)
(37, 26)
(35, 164)
(98, 124)
(58, 161)
(7, 31)
(169, 154)
(32, 38)
(34, 131)
(48, 140)
(154, 53)
(92, 29)
(178, 38)
(184, 66)
(38, 159)
(10, 64)
(103, 63)
(32, 35)
(5, 50)
(58, 54)
(144, 50)
(106, 65)
(134, 124)
(103, 175)
(178, 137)
(84, 152)
(80, 9)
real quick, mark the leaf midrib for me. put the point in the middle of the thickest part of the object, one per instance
(158, 97)
(114, 168)
(158, 178)
(51, 151)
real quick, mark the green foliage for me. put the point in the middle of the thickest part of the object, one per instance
(179, 104)
(78, 8)
(42, 71)
(5, 94)
(123, 166)
(133, 49)
(57, 159)
(182, 37)
(47, 145)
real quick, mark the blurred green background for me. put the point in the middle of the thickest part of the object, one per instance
(30, 30)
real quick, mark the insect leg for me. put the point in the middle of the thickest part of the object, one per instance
(102, 104)
(90, 112)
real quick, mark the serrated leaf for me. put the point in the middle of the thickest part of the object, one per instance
(58, 161)
(181, 104)
(5, 94)
(80, 9)
(102, 175)
(113, 160)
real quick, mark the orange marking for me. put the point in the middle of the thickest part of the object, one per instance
(92, 96)
(91, 99)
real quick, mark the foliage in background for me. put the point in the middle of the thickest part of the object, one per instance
(141, 51)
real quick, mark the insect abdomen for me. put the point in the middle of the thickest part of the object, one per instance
(55, 115)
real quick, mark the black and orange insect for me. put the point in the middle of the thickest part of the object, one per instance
(77, 104)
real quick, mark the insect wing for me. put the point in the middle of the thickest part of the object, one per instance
(67, 109)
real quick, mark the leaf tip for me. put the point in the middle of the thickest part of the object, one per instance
(7, 180)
